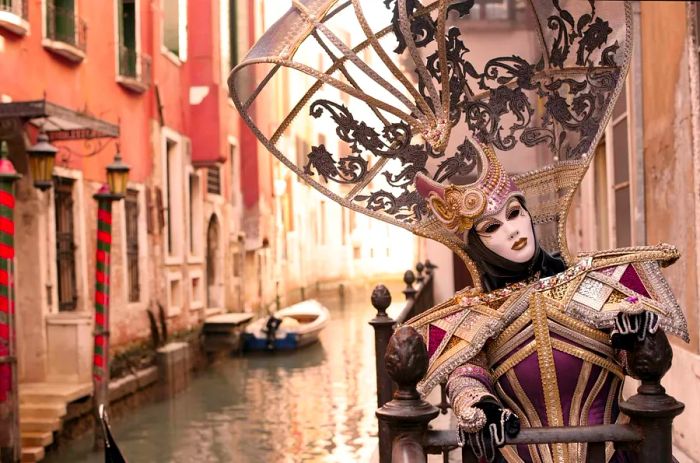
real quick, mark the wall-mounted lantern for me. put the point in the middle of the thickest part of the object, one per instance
(41, 161)
(117, 176)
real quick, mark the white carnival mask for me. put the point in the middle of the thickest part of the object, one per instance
(508, 233)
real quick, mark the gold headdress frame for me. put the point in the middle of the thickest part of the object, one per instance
(426, 112)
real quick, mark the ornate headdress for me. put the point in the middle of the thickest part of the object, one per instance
(457, 207)
(376, 92)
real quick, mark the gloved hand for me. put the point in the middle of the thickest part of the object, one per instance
(632, 328)
(500, 422)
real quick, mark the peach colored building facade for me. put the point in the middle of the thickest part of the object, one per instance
(156, 72)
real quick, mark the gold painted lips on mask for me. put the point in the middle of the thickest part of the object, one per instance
(518, 245)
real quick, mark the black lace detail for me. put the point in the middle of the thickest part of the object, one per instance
(505, 101)
(462, 164)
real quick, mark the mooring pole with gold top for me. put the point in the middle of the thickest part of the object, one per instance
(114, 190)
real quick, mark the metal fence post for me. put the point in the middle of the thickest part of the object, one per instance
(407, 415)
(410, 292)
(651, 409)
(383, 328)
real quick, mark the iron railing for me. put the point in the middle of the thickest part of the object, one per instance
(64, 25)
(134, 65)
(17, 7)
(418, 300)
(404, 416)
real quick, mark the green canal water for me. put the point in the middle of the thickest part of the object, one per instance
(313, 405)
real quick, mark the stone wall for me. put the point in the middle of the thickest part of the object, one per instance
(670, 170)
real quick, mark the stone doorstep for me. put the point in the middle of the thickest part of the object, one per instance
(30, 454)
(42, 410)
(53, 392)
(36, 438)
(40, 424)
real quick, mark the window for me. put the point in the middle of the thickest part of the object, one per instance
(134, 67)
(65, 245)
(618, 161)
(131, 208)
(16, 7)
(175, 27)
(288, 206)
(302, 149)
(173, 186)
(235, 180)
(127, 37)
(343, 227)
(214, 180)
(493, 10)
(14, 16)
(609, 189)
(322, 223)
(64, 25)
(195, 219)
(237, 263)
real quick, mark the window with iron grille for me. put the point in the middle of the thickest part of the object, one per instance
(65, 245)
(131, 206)
(214, 180)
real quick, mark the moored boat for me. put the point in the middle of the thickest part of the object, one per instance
(290, 328)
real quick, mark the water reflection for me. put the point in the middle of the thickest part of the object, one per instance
(316, 404)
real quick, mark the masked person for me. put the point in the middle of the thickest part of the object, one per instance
(536, 347)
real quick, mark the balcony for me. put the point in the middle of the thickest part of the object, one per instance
(13, 16)
(134, 70)
(66, 33)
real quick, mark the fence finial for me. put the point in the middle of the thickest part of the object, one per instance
(381, 299)
(419, 272)
(409, 278)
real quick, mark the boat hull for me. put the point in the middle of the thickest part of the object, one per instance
(289, 342)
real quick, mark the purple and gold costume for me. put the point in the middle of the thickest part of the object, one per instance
(542, 349)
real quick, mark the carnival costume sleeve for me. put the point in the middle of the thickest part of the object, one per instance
(468, 385)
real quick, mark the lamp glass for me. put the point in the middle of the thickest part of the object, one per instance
(41, 161)
(117, 180)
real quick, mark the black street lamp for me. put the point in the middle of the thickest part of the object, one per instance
(41, 160)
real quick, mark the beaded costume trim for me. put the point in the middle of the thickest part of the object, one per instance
(502, 312)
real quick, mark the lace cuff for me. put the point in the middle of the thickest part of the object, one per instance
(466, 386)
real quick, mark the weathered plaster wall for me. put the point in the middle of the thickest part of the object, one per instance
(669, 183)
(667, 146)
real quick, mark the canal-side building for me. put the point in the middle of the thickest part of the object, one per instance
(210, 223)
(146, 79)
(654, 197)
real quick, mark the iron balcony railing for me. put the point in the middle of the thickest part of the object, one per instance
(134, 65)
(64, 25)
(17, 7)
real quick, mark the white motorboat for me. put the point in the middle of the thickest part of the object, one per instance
(290, 328)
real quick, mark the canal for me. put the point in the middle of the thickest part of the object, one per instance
(315, 404)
